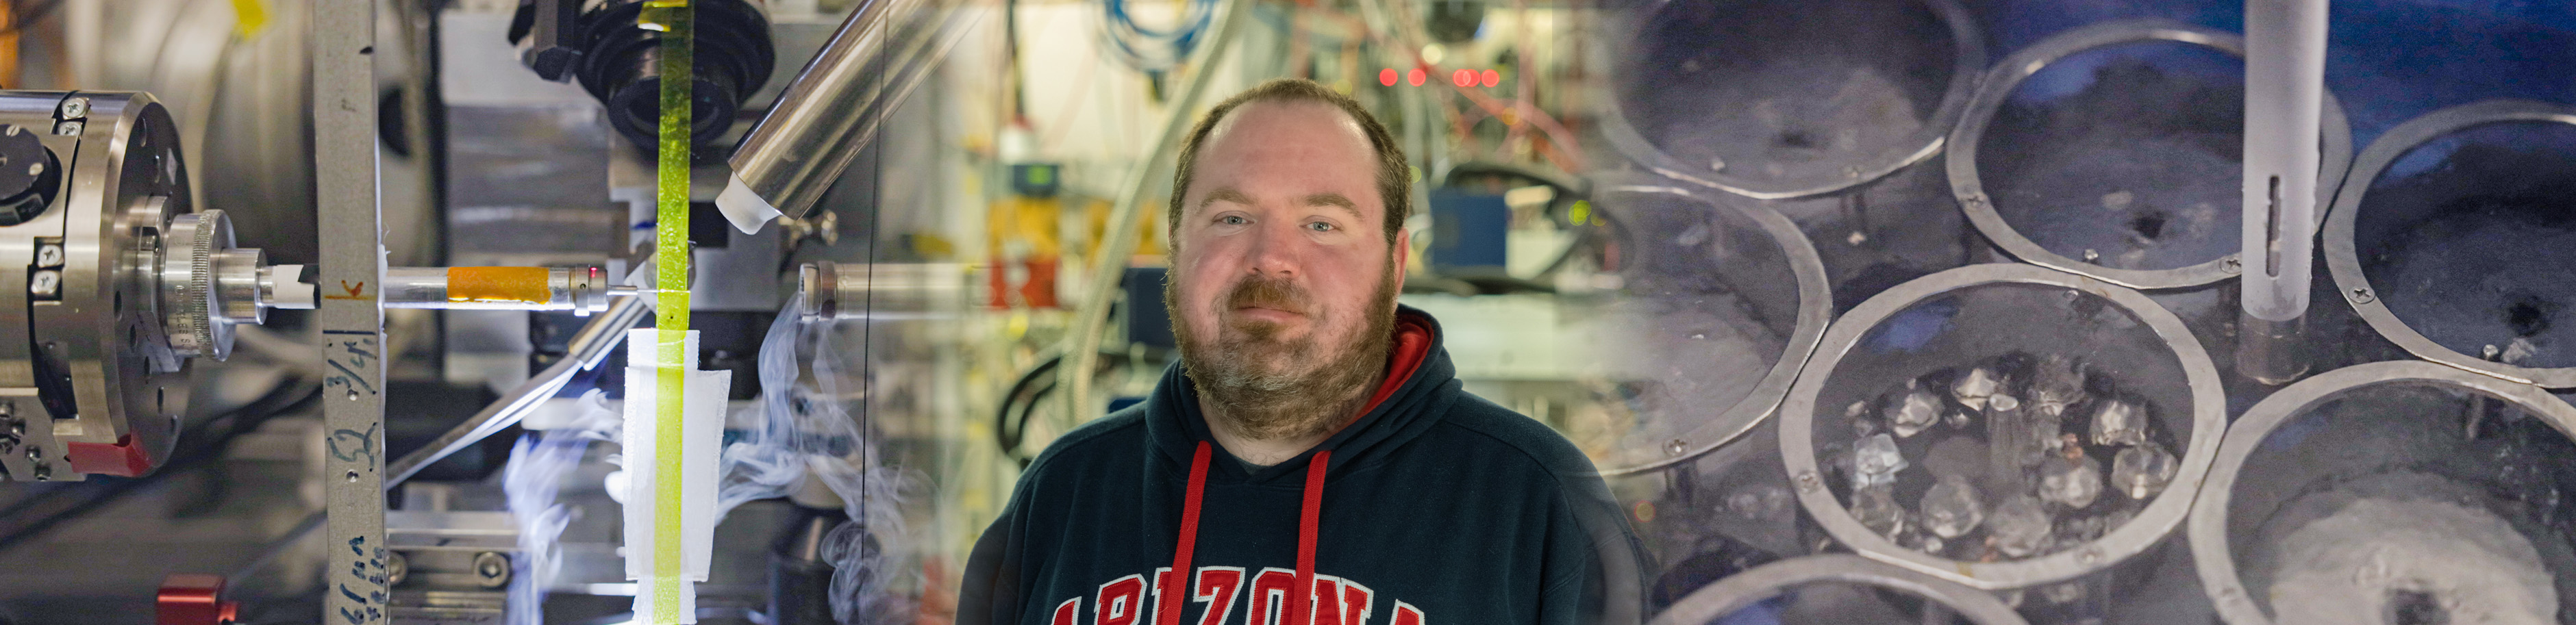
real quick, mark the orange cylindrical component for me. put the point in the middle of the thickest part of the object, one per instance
(498, 284)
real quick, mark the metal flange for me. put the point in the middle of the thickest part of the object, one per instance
(1997, 88)
(2205, 411)
(2343, 257)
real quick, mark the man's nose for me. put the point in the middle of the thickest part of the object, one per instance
(1276, 249)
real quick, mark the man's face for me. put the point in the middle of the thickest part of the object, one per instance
(1282, 268)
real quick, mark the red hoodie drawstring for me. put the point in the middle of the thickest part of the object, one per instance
(1309, 516)
(1169, 613)
(1307, 519)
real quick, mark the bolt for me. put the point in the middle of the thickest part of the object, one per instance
(1676, 447)
(2362, 296)
(49, 255)
(36, 453)
(1851, 172)
(2091, 255)
(492, 568)
(2234, 265)
(1806, 480)
(75, 108)
(45, 283)
(397, 568)
(2089, 555)
(67, 128)
(353, 476)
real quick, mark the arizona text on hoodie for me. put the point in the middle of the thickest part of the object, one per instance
(1435, 506)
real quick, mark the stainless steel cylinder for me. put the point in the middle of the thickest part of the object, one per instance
(1996, 89)
(1842, 125)
(1737, 592)
(2392, 492)
(2484, 278)
(880, 290)
(2149, 381)
(583, 290)
(834, 107)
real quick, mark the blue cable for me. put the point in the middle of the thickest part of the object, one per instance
(1153, 50)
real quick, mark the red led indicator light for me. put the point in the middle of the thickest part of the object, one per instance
(1414, 77)
(1493, 78)
(1463, 78)
(1386, 77)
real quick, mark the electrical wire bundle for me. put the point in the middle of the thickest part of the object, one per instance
(1149, 50)
(32, 515)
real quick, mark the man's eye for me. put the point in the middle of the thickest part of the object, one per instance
(1232, 220)
(1320, 227)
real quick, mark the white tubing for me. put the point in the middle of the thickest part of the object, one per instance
(2285, 56)
(645, 451)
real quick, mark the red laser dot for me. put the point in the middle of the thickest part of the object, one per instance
(1386, 77)
(1463, 78)
(1414, 77)
(1493, 78)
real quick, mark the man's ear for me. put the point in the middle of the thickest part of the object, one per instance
(1402, 256)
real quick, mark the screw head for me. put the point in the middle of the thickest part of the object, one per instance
(45, 283)
(1807, 480)
(492, 569)
(2233, 265)
(68, 128)
(2089, 555)
(75, 108)
(2362, 296)
(49, 255)
(1676, 447)
(397, 568)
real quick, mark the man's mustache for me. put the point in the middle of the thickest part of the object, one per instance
(1266, 292)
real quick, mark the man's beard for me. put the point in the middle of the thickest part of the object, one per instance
(1277, 389)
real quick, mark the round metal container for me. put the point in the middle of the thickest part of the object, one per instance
(1997, 89)
(2493, 271)
(2409, 477)
(1981, 312)
(1719, 304)
(1778, 99)
(1754, 586)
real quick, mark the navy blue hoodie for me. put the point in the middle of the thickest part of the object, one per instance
(1436, 506)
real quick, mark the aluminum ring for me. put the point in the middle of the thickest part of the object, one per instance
(1815, 312)
(1969, 53)
(2210, 552)
(2343, 259)
(1737, 591)
(2157, 520)
(1997, 87)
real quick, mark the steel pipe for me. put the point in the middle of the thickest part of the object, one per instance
(835, 106)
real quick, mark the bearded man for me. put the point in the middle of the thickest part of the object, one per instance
(1312, 458)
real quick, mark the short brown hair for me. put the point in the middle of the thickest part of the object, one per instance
(1394, 176)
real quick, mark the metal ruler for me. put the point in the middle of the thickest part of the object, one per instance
(352, 315)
